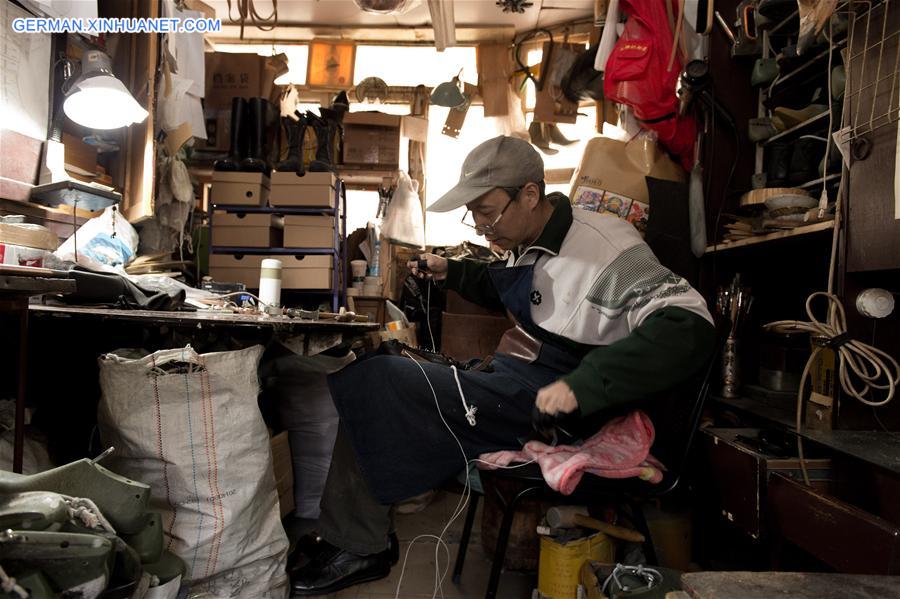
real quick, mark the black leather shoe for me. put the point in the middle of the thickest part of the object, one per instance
(310, 545)
(334, 569)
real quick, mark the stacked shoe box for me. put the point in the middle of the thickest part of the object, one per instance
(231, 190)
(310, 231)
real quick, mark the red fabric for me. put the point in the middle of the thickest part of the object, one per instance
(621, 449)
(636, 75)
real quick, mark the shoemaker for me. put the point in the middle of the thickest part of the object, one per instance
(601, 324)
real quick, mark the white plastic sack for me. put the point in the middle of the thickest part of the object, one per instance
(189, 426)
(107, 242)
(403, 222)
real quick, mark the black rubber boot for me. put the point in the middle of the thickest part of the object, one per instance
(256, 162)
(806, 155)
(295, 131)
(238, 145)
(779, 158)
(327, 128)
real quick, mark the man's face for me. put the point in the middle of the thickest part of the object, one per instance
(506, 217)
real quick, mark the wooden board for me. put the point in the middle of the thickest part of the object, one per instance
(789, 585)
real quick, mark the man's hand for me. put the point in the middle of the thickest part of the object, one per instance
(556, 398)
(437, 267)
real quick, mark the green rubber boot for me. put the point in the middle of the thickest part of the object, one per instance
(122, 501)
(71, 562)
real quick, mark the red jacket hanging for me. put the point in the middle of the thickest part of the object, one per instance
(637, 75)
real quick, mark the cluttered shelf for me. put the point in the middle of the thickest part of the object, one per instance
(880, 448)
(796, 231)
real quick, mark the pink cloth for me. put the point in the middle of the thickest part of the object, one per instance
(621, 449)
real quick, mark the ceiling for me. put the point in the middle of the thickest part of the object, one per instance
(304, 19)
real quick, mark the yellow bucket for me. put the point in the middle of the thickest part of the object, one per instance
(560, 563)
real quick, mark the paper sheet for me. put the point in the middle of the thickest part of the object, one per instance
(24, 100)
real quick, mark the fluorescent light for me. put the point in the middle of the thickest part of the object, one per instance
(100, 101)
(443, 23)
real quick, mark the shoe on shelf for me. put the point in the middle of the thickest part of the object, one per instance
(778, 158)
(784, 118)
(806, 154)
(334, 569)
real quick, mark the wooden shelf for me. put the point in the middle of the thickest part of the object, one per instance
(797, 127)
(797, 231)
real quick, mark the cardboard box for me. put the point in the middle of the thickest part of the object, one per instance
(244, 219)
(246, 237)
(246, 230)
(283, 467)
(313, 196)
(307, 278)
(373, 307)
(230, 75)
(254, 262)
(309, 231)
(308, 179)
(372, 139)
(291, 278)
(239, 189)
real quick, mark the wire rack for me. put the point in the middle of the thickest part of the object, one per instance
(872, 95)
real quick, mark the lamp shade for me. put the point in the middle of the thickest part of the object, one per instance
(448, 94)
(100, 101)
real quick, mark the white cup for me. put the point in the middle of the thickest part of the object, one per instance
(358, 268)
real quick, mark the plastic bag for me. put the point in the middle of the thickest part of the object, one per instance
(106, 243)
(403, 222)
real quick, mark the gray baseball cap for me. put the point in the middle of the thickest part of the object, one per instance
(499, 162)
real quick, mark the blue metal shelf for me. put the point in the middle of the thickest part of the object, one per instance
(337, 253)
(283, 210)
(280, 251)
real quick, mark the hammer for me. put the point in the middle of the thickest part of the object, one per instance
(568, 516)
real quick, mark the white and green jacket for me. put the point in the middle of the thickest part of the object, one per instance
(598, 288)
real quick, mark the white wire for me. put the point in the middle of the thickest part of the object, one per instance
(869, 364)
(461, 504)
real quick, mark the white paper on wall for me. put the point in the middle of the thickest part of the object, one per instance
(24, 100)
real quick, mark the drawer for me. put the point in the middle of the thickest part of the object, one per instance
(740, 473)
(843, 536)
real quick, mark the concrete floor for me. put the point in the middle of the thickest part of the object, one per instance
(419, 575)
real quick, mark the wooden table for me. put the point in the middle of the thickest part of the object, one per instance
(15, 291)
(789, 585)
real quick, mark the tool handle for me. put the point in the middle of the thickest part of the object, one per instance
(619, 532)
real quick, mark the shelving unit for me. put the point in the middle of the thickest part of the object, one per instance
(338, 289)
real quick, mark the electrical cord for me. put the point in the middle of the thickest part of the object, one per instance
(461, 504)
(247, 11)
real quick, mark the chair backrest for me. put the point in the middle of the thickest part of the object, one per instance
(676, 419)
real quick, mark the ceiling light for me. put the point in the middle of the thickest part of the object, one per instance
(98, 100)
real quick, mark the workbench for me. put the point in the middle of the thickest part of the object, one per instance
(66, 342)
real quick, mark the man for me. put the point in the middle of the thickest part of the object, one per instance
(600, 325)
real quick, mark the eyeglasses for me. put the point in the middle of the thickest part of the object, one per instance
(483, 230)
